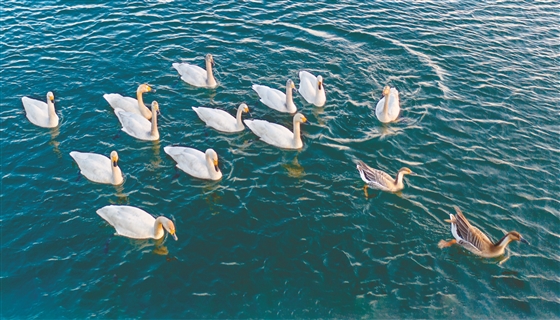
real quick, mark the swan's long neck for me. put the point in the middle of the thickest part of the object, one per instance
(386, 105)
(399, 180)
(146, 113)
(320, 91)
(158, 228)
(214, 172)
(297, 134)
(210, 81)
(289, 99)
(117, 174)
(52, 114)
(154, 132)
(320, 98)
(238, 117)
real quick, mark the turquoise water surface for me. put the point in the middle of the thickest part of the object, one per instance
(284, 234)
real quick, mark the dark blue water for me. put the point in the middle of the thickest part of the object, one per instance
(284, 234)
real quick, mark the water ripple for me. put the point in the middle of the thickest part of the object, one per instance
(285, 233)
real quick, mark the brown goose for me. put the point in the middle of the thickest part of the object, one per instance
(476, 241)
(378, 179)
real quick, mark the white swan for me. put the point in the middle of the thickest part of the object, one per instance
(138, 126)
(39, 113)
(136, 223)
(98, 168)
(130, 104)
(312, 89)
(276, 99)
(278, 135)
(388, 108)
(221, 120)
(195, 75)
(194, 162)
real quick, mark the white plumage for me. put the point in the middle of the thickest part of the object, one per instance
(276, 99)
(130, 104)
(195, 75)
(221, 120)
(196, 163)
(312, 88)
(137, 126)
(278, 135)
(39, 113)
(136, 223)
(388, 107)
(98, 168)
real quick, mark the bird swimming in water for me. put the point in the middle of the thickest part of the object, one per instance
(377, 179)
(474, 240)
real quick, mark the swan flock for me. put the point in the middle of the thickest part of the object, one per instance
(141, 122)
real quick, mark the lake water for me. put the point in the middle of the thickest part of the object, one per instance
(284, 234)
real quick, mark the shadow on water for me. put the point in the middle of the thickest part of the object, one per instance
(122, 197)
(294, 169)
(317, 112)
(54, 143)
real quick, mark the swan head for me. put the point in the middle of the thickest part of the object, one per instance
(50, 96)
(213, 156)
(319, 82)
(209, 59)
(170, 227)
(405, 170)
(155, 107)
(300, 118)
(386, 91)
(290, 84)
(114, 158)
(143, 88)
(514, 235)
(244, 107)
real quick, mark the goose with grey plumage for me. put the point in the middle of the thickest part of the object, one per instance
(474, 240)
(377, 179)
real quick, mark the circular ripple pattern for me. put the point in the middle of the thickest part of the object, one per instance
(285, 234)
